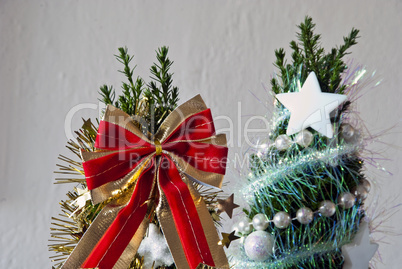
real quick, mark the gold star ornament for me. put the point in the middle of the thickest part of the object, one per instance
(226, 205)
(227, 239)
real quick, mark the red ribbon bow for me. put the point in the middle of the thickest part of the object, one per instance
(185, 147)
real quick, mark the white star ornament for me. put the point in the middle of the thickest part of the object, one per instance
(310, 107)
(358, 253)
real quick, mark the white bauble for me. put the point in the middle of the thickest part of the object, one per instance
(282, 220)
(260, 222)
(283, 142)
(346, 200)
(259, 245)
(304, 215)
(245, 225)
(304, 138)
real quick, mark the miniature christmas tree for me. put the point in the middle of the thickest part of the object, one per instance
(124, 212)
(305, 187)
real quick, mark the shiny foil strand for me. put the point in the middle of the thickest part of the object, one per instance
(278, 173)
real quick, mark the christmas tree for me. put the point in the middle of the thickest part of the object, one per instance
(124, 212)
(305, 185)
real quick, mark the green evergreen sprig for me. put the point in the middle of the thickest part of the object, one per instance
(151, 103)
(308, 56)
(163, 98)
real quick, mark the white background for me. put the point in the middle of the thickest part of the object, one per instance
(54, 55)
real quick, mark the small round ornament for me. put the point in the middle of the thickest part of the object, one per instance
(282, 220)
(366, 184)
(304, 215)
(260, 222)
(259, 245)
(304, 138)
(283, 142)
(327, 208)
(349, 133)
(244, 225)
(360, 192)
(346, 200)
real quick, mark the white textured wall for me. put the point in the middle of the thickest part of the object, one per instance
(55, 54)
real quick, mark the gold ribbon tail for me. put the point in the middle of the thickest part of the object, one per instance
(169, 229)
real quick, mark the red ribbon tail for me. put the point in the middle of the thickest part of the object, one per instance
(116, 238)
(185, 215)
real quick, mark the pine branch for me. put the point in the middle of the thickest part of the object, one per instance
(108, 95)
(163, 98)
(150, 102)
(310, 43)
(280, 64)
(310, 56)
(125, 59)
(131, 91)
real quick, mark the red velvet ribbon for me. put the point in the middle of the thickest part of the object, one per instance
(125, 152)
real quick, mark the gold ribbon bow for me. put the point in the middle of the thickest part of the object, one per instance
(117, 193)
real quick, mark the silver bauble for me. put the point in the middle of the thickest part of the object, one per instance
(244, 225)
(360, 192)
(282, 220)
(349, 133)
(304, 138)
(346, 200)
(366, 184)
(260, 222)
(283, 142)
(304, 215)
(259, 245)
(327, 208)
